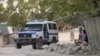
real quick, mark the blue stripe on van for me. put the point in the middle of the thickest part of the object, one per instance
(46, 35)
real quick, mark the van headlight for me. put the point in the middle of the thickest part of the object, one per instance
(35, 35)
(16, 36)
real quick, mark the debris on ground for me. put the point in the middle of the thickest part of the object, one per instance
(77, 48)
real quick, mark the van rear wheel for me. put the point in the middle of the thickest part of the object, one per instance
(54, 40)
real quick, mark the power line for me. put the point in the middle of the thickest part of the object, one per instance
(65, 17)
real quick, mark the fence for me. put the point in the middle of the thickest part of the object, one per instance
(92, 26)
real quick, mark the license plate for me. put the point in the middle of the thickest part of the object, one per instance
(23, 40)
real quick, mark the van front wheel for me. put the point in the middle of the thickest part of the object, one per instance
(37, 45)
(18, 45)
(34, 46)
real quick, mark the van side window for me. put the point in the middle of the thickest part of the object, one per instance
(45, 27)
(52, 26)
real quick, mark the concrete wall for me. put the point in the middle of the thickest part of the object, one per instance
(6, 40)
(65, 36)
(1, 41)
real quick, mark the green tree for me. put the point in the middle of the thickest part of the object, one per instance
(17, 15)
(73, 8)
(48, 9)
(1, 12)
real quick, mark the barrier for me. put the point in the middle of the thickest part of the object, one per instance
(92, 26)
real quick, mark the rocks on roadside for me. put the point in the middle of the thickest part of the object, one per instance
(73, 49)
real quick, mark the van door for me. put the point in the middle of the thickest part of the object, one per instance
(45, 31)
(53, 32)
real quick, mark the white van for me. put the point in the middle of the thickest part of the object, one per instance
(37, 33)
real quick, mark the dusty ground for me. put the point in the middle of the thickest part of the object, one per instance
(64, 37)
(25, 51)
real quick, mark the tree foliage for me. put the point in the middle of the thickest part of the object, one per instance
(17, 14)
(1, 12)
(18, 11)
(60, 8)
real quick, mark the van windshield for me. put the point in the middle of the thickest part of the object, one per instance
(32, 27)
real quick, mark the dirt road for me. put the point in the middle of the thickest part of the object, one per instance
(28, 51)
